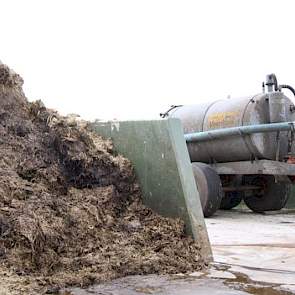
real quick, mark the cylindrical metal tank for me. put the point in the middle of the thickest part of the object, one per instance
(260, 109)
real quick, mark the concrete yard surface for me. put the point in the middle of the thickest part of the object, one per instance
(260, 246)
(215, 281)
(254, 254)
(172, 285)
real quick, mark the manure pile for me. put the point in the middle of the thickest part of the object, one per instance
(70, 208)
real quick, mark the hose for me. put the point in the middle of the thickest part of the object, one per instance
(287, 87)
(164, 115)
(273, 77)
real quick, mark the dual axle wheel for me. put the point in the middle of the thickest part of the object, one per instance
(271, 196)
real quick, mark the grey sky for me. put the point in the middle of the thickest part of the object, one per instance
(132, 59)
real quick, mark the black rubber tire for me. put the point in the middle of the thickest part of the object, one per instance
(274, 198)
(231, 200)
(209, 187)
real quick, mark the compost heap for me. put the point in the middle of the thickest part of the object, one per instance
(70, 208)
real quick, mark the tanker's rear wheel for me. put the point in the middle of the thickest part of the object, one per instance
(231, 200)
(209, 187)
(273, 196)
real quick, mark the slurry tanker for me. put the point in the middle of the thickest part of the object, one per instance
(242, 148)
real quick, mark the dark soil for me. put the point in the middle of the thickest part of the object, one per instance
(70, 208)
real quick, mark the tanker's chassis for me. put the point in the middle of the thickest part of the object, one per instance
(257, 167)
(234, 175)
(263, 184)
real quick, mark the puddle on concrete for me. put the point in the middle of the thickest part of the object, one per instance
(183, 284)
(244, 283)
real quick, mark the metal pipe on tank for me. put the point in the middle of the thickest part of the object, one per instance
(277, 110)
(238, 131)
(271, 83)
(277, 107)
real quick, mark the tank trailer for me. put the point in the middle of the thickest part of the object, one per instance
(242, 149)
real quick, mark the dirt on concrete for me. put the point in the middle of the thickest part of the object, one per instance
(70, 208)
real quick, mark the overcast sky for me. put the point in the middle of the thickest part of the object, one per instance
(132, 59)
